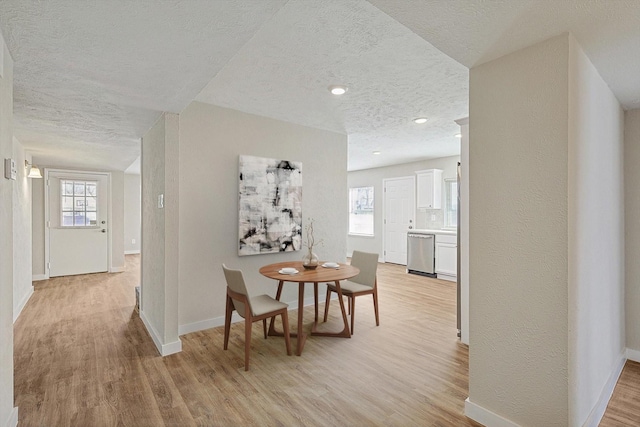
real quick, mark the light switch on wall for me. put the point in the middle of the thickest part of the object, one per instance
(10, 170)
(160, 201)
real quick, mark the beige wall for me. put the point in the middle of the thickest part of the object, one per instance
(373, 177)
(632, 229)
(546, 237)
(8, 415)
(37, 229)
(159, 266)
(117, 221)
(132, 213)
(22, 285)
(211, 140)
(518, 128)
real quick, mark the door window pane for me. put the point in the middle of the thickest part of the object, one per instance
(91, 204)
(67, 219)
(67, 188)
(67, 204)
(361, 211)
(79, 204)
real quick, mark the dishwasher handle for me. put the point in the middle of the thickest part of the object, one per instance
(421, 236)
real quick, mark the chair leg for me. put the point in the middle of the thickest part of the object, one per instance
(247, 342)
(227, 321)
(326, 304)
(349, 305)
(375, 305)
(285, 327)
(352, 304)
(264, 327)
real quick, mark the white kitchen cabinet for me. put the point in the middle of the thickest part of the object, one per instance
(446, 257)
(429, 186)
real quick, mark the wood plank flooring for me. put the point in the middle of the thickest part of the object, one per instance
(624, 406)
(84, 358)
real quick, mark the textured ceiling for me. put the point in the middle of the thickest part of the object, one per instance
(91, 77)
(476, 31)
(392, 74)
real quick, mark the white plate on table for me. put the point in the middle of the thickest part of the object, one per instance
(331, 265)
(288, 271)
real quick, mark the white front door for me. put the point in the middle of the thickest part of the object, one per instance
(77, 222)
(399, 212)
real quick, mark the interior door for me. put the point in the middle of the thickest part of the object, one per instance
(77, 223)
(399, 212)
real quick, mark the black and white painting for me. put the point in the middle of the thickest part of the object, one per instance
(270, 205)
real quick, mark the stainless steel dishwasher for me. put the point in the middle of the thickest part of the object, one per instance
(420, 254)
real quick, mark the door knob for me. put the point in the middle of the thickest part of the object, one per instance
(103, 230)
(410, 227)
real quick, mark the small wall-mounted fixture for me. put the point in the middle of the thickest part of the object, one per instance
(10, 170)
(34, 172)
(420, 120)
(458, 135)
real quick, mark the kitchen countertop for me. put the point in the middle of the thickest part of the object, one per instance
(426, 231)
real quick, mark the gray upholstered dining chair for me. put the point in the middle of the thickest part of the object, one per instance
(252, 309)
(365, 283)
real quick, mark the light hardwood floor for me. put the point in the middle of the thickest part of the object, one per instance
(83, 358)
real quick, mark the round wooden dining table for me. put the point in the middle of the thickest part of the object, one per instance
(315, 276)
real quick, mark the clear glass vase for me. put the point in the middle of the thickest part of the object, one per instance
(310, 260)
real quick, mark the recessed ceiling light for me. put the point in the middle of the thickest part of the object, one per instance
(338, 89)
(376, 152)
(420, 120)
(458, 135)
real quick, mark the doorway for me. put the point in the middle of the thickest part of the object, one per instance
(77, 215)
(399, 217)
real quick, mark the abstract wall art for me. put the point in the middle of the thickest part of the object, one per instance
(270, 206)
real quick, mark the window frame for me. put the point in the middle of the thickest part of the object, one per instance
(369, 209)
(71, 201)
(451, 198)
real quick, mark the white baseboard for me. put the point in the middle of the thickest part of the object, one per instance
(132, 252)
(38, 277)
(163, 349)
(446, 277)
(633, 355)
(118, 269)
(484, 416)
(17, 310)
(12, 421)
(594, 418)
(219, 321)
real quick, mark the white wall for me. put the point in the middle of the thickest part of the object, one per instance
(22, 285)
(632, 230)
(596, 239)
(8, 414)
(373, 177)
(211, 140)
(132, 213)
(160, 231)
(518, 133)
